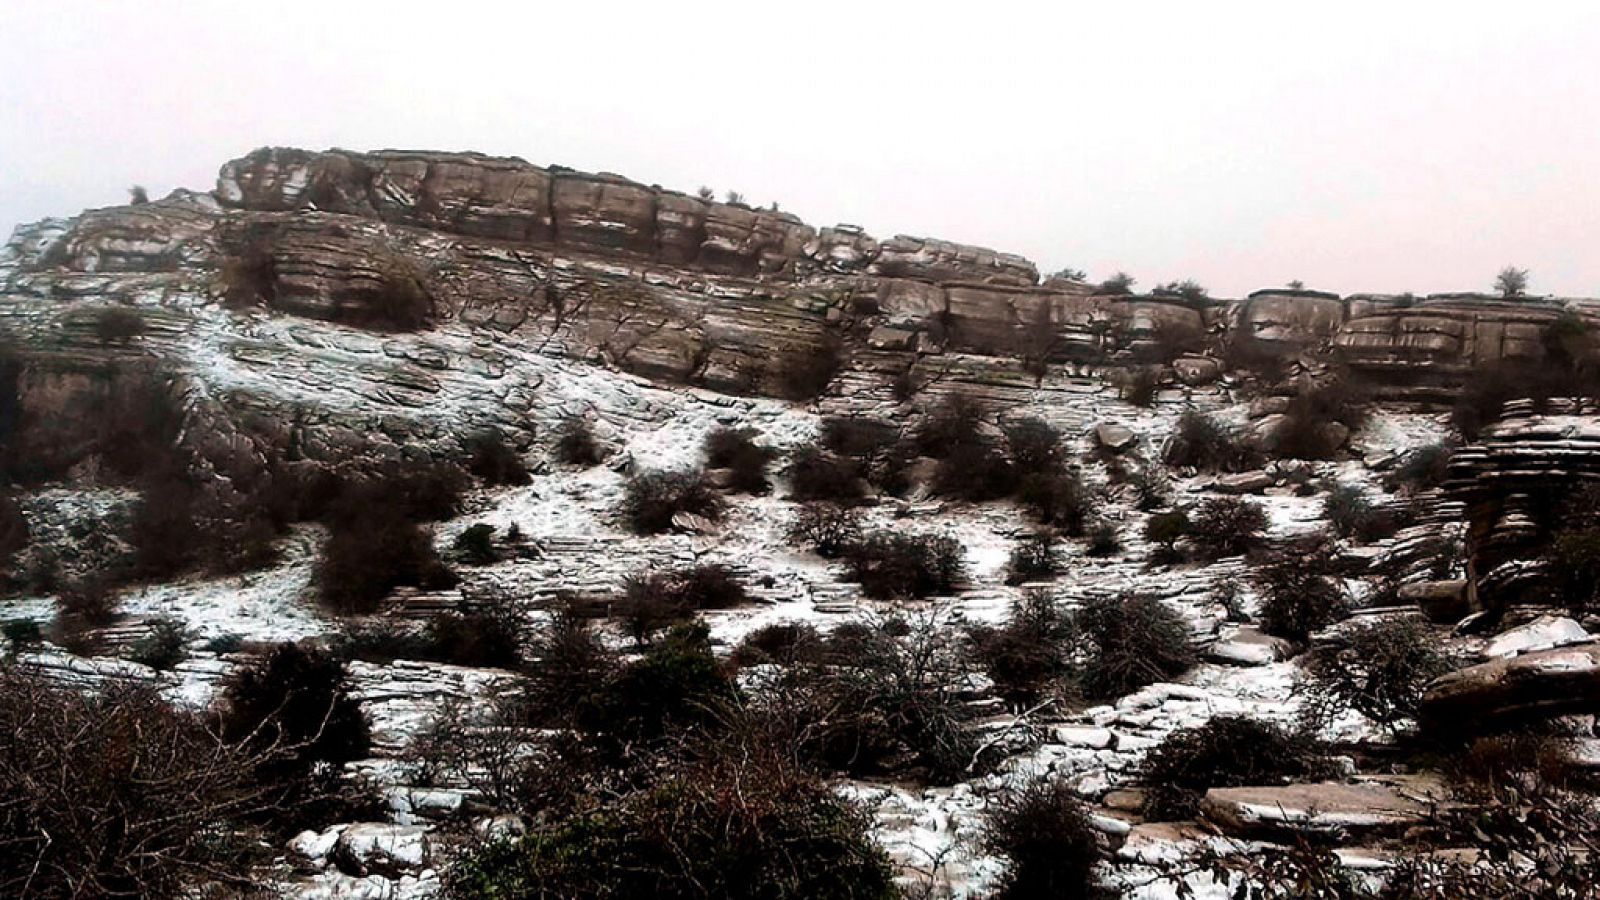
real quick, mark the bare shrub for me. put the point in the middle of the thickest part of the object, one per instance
(818, 476)
(1049, 848)
(575, 443)
(296, 696)
(1309, 429)
(113, 793)
(1033, 559)
(827, 528)
(372, 548)
(653, 602)
(884, 697)
(1353, 516)
(1126, 643)
(736, 450)
(1034, 446)
(1228, 751)
(1103, 540)
(1026, 657)
(1572, 562)
(1421, 469)
(1140, 386)
(1201, 442)
(858, 438)
(118, 325)
(781, 643)
(898, 566)
(737, 818)
(1056, 498)
(492, 460)
(652, 499)
(568, 661)
(13, 525)
(1379, 669)
(1227, 526)
(1299, 593)
(1165, 530)
(475, 545)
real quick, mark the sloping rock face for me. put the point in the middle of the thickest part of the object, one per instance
(443, 275)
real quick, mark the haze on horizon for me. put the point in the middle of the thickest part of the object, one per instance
(1365, 146)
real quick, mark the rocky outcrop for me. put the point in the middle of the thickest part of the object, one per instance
(1536, 685)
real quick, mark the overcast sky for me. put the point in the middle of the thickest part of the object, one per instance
(1362, 146)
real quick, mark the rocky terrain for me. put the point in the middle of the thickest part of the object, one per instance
(321, 314)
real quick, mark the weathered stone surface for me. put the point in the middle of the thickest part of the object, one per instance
(1329, 807)
(381, 848)
(1291, 319)
(1444, 602)
(1114, 437)
(1249, 646)
(1541, 684)
(1543, 633)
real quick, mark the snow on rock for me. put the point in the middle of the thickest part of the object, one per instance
(1543, 633)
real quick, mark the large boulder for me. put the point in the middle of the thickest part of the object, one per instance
(1538, 685)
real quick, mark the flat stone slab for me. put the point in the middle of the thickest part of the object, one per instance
(1322, 808)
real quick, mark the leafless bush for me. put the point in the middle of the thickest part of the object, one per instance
(653, 602)
(1033, 559)
(735, 449)
(575, 444)
(1228, 751)
(1201, 442)
(827, 528)
(652, 499)
(1027, 656)
(815, 475)
(1379, 669)
(1227, 526)
(1299, 593)
(113, 793)
(493, 460)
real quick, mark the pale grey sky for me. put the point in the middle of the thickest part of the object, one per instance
(1359, 146)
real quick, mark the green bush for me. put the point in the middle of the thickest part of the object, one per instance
(1103, 540)
(1228, 751)
(118, 325)
(653, 602)
(1165, 530)
(1126, 643)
